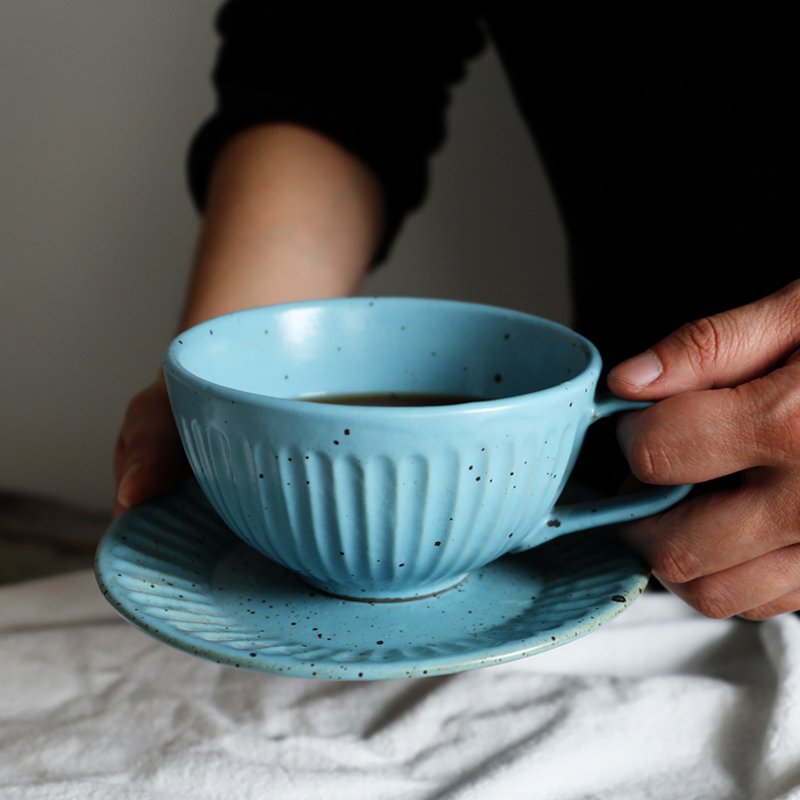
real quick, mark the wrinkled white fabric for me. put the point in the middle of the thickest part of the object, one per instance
(660, 703)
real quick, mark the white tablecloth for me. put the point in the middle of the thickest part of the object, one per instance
(661, 703)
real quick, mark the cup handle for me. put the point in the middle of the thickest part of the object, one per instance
(607, 511)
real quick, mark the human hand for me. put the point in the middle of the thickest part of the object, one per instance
(729, 387)
(149, 458)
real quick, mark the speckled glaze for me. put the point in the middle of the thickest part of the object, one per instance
(375, 502)
(175, 570)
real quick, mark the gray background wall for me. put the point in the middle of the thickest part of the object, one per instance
(97, 103)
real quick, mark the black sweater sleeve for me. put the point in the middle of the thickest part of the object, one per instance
(375, 81)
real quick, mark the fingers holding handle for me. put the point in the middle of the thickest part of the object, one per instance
(729, 392)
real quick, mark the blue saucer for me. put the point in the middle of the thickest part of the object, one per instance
(172, 568)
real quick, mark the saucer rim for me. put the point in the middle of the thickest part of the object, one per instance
(160, 628)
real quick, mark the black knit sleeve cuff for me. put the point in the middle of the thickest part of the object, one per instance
(377, 82)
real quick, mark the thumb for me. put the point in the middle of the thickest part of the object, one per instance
(723, 350)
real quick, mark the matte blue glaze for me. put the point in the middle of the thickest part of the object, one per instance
(175, 570)
(376, 502)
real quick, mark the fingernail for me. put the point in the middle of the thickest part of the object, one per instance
(641, 370)
(122, 492)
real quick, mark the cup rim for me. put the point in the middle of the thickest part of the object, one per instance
(174, 369)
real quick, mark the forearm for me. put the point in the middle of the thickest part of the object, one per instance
(290, 215)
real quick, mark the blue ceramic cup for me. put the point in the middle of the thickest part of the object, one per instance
(380, 502)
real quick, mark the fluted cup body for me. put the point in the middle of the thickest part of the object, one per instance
(382, 502)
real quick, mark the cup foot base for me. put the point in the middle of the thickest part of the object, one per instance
(373, 595)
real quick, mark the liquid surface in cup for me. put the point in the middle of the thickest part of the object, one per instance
(401, 399)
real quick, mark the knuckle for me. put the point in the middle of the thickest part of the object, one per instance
(649, 462)
(774, 417)
(711, 598)
(785, 441)
(705, 340)
(674, 563)
(784, 418)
